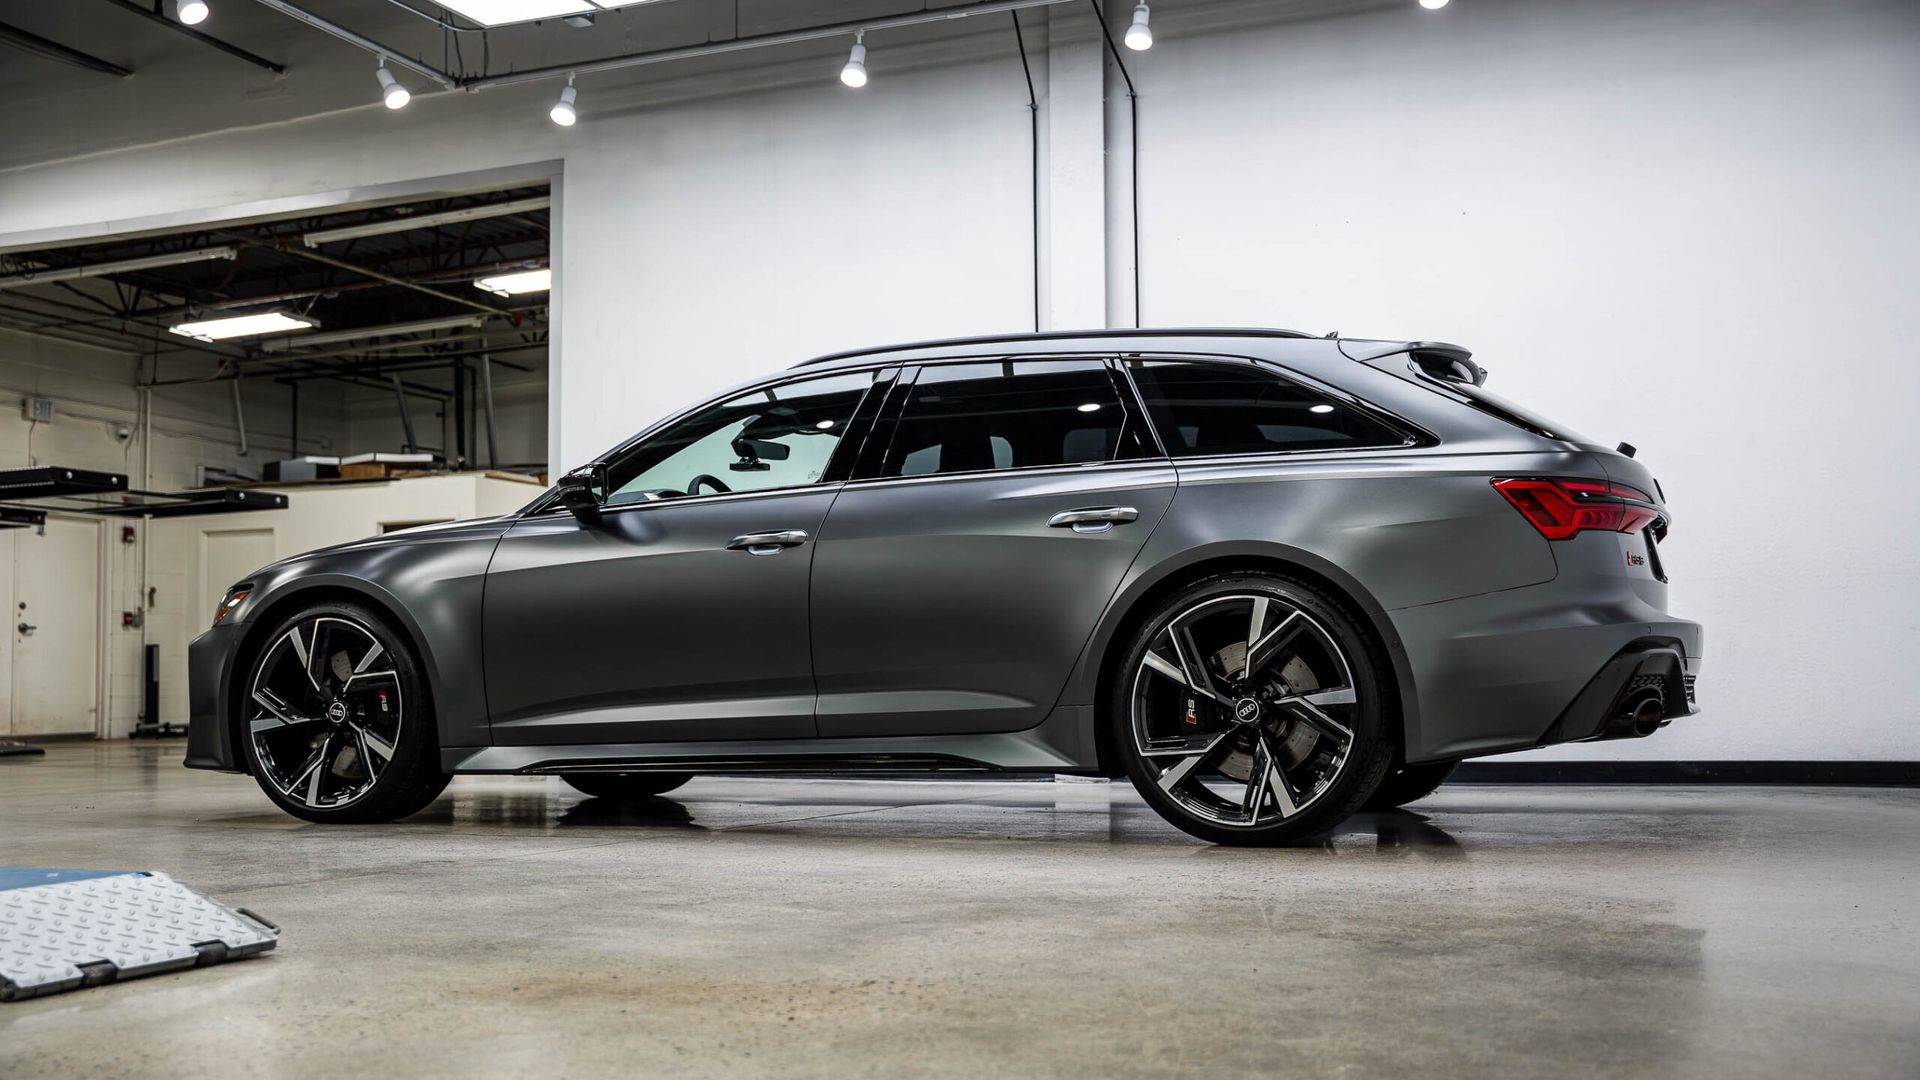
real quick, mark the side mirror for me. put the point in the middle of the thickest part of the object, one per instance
(584, 490)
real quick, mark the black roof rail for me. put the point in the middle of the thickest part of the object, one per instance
(1060, 335)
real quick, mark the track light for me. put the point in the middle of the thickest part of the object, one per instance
(1139, 36)
(563, 112)
(189, 12)
(391, 92)
(855, 73)
(1433, 5)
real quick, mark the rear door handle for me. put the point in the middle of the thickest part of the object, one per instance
(767, 543)
(1093, 519)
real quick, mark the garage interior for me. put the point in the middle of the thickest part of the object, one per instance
(481, 242)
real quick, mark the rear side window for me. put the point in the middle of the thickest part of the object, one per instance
(1201, 409)
(1017, 414)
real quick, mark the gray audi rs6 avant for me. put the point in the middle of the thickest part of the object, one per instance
(1271, 578)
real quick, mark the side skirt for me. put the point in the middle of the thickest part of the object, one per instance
(1037, 749)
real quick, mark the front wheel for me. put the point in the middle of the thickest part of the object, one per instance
(1250, 709)
(337, 726)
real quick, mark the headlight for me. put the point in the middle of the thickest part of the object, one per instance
(232, 600)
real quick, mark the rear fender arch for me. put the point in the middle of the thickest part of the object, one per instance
(1094, 670)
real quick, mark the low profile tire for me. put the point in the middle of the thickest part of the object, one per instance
(337, 725)
(625, 787)
(1249, 709)
(1411, 784)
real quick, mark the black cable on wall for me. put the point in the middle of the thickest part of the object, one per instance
(1033, 117)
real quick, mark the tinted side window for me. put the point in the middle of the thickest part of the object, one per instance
(781, 436)
(1011, 415)
(1201, 409)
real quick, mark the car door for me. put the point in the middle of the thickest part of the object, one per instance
(960, 573)
(681, 613)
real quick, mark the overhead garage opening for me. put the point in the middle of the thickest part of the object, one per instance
(414, 330)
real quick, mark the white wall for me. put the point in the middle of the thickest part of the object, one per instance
(1689, 225)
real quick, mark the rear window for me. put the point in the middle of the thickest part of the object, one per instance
(1494, 405)
(1203, 409)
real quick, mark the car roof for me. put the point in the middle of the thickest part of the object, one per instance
(1124, 339)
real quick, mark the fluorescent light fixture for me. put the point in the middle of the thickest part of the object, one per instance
(391, 92)
(190, 12)
(427, 221)
(1322, 409)
(503, 12)
(389, 330)
(563, 112)
(855, 73)
(123, 266)
(1140, 36)
(264, 322)
(526, 281)
(1091, 406)
(1433, 5)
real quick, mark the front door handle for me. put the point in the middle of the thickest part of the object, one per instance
(1094, 519)
(767, 543)
(27, 629)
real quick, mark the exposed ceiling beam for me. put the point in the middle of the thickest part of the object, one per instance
(390, 279)
(28, 41)
(427, 221)
(122, 266)
(153, 15)
(466, 322)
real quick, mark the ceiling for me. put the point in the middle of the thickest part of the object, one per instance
(420, 273)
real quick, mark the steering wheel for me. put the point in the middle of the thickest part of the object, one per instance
(693, 485)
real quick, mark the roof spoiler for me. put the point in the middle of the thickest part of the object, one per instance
(1438, 359)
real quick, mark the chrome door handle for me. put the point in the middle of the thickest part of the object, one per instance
(26, 629)
(767, 543)
(1094, 519)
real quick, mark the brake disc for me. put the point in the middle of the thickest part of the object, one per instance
(1296, 740)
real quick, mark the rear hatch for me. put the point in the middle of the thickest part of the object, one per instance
(1627, 501)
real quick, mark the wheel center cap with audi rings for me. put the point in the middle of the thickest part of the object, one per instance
(337, 713)
(1246, 710)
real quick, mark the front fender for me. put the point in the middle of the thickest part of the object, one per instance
(431, 587)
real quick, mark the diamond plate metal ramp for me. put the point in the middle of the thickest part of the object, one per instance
(65, 929)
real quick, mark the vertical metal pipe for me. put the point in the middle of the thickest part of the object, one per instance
(240, 417)
(458, 407)
(406, 416)
(293, 419)
(486, 394)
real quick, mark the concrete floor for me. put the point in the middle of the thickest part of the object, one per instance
(822, 928)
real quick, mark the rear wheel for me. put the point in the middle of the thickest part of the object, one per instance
(625, 787)
(337, 724)
(1249, 710)
(1411, 784)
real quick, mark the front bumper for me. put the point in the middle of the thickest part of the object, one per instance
(209, 677)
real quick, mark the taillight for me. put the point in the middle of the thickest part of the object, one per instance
(1561, 508)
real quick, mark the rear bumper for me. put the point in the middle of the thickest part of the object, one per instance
(1643, 688)
(209, 674)
(1500, 671)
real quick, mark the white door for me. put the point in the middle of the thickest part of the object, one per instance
(56, 628)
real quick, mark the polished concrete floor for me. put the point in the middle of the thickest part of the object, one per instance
(827, 928)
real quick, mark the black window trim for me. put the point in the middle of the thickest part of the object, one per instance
(868, 470)
(1413, 436)
(885, 378)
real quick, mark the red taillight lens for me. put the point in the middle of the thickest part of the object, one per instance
(1562, 508)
